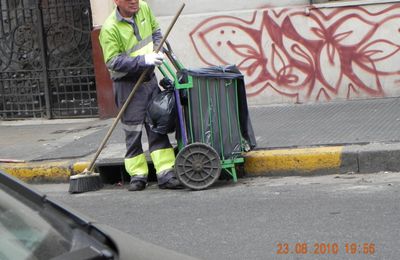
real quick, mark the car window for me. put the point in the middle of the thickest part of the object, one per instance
(24, 234)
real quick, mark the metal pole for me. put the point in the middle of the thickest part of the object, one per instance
(43, 50)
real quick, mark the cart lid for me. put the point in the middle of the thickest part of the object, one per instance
(227, 72)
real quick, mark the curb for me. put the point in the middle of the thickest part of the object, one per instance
(368, 158)
(310, 161)
(299, 161)
(44, 172)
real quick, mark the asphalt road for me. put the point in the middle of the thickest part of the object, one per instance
(322, 217)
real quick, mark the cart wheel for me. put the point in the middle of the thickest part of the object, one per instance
(197, 166)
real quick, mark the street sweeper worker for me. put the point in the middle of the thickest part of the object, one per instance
(128, 39)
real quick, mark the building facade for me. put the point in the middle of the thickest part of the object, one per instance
(290, 51)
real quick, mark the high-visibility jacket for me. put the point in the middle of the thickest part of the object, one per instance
(125, 41)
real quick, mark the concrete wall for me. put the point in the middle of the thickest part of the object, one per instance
(293, 54)
(202, 7)
(100, 10)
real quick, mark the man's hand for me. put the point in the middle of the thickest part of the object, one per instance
(154, 59)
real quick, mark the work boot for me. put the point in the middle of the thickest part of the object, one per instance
(136, 185)
(173, 183)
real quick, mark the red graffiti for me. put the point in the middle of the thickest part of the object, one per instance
(321, 55)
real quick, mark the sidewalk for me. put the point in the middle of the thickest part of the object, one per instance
(338, 137)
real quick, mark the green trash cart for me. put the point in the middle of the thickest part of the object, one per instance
(214, 126)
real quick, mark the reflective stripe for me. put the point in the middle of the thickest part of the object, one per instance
(146, 49)
(132, 128)
(137, 166)
(117, 75)
(163, 159)
(140, 45)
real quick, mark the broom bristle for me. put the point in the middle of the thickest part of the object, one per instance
(85, 182)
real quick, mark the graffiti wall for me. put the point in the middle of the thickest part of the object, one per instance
(294, 54)
(308, 55)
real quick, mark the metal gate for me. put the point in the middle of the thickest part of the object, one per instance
(46, 68)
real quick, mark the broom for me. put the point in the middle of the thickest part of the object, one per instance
(89, 180)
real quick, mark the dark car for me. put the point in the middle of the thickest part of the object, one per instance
(33, 226)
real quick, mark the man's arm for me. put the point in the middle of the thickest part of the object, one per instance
(157, 37)
(122, 64)
(115, 59)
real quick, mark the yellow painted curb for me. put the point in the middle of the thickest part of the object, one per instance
(289, 160)
(38, 171)
(44, 171)
(79, 167)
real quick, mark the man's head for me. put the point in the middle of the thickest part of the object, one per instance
(127, 8)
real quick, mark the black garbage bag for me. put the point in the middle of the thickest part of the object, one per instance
(161, 111)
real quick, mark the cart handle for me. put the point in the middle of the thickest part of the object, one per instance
(172, 58)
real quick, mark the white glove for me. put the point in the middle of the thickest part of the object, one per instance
(154, 59)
